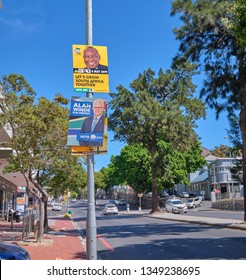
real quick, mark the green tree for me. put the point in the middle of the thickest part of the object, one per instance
(221, 151)
(39, 133)
(133, 166)
(156, 109)
(207, 39)
(105, 176)
(237, 22)
(100, 182)
(69, 176)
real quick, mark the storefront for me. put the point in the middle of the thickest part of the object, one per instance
(12, 190)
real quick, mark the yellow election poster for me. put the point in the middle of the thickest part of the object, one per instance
(90, 68)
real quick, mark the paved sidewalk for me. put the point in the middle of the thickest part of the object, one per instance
(62, 243)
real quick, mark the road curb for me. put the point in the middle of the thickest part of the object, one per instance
(221, 224)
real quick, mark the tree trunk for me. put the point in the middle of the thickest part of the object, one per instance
(41, 222)
(46, 221)
(155, 202)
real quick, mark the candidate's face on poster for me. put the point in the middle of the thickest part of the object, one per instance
(97, 109)
(91, 58)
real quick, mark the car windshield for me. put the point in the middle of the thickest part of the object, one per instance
(177, 202)
(189, 200)
(110, 206)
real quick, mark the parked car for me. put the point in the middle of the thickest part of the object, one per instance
(74, 200)
(50, 202)
(148, 195)
(56, 207)
(110, 209)
(164, 194)
(112, 201)
(191, 195)
(175, 206)
(184, 194)
(122, 202)
(10, 251)
(193, 202)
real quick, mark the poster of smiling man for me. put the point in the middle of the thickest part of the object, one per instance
(88, 122)
(90, 68)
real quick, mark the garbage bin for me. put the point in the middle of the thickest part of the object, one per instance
(70, 212)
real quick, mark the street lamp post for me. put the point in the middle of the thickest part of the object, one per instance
(91, 230)
(232, 184)
(213, 193)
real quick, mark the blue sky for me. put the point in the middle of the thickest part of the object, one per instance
(37, 38)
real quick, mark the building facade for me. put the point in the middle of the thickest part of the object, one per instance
(221, 180)
(216, 179)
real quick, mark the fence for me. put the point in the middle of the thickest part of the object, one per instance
(28, 223)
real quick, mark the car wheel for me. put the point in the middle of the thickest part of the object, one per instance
(167, 210)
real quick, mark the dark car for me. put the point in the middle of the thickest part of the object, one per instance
(192, 195)
(122, 202)
(112, 201)
(10, 251)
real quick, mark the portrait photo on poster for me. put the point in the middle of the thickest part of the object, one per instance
(87, 122)
(90, 68)
(90, 59)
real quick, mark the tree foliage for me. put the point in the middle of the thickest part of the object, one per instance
(209, 37)
(133, 166)
(69, 176)
(237, 22)
(39, 133)
(221, 151)
(156, 109)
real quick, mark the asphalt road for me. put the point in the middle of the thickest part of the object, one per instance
(136, 237)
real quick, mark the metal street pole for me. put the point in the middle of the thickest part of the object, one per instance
(232, 184)
(213, 193)
(91, 231)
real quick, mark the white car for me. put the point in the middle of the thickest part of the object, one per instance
(110, 209)
(175, 206)
(56, 207)
(184, 194)
(193, 202)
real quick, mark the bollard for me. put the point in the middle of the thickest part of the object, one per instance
(128, 208)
